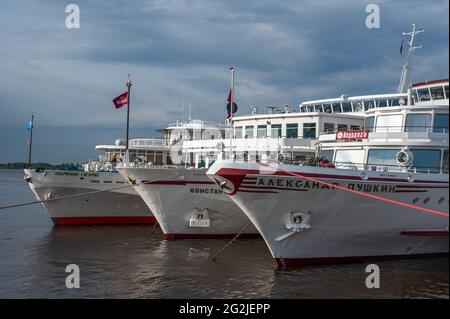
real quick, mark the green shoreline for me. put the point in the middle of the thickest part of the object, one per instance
(39, 165)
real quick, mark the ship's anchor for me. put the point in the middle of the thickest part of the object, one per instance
(296, 223)
(48, 196)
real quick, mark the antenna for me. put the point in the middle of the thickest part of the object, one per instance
(411, 49)
(190, 111)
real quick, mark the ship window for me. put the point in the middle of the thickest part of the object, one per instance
(346, 107)
(381, 103)
(437, 93)
(357, 106)
(346, 157)
(342, 127)
(328, 127)
(328, 154)
(427, 160)
(302, 109)
(327, 108)
(309, 130)
(292, 130)
(369, 123)
(238, 132)
(337, 108)
(311, 108)
(355, 127)
(158, 158)
(249, 132)
(445, 162)
(394, 102)
(417, 122)
(424, 94)
(368, 105)
(276, 131)
(389, 123)
(262, 131)
(446, 91)
(383, 157)
(440, 123)
(415, 96)
(318, 108)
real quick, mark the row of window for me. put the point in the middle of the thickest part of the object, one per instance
(431, 93)
(415, 122)
(352, 106)
(424, 160)
(292, 130)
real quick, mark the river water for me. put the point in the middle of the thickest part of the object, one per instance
(136, 262)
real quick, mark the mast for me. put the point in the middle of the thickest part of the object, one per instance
(128, 118)
(411, 48)
(230, 120)
(31, 125)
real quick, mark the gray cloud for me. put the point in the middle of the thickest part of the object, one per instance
(179, 51)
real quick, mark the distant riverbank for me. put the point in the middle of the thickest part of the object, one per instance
(21, 165)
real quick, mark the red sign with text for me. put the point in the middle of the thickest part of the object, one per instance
(352, 135)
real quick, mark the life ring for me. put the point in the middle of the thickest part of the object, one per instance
(404, 158)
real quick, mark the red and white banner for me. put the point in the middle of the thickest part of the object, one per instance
(121, 100)
(352, 135)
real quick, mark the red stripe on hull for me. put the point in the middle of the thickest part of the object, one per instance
(283, 262)
(178, 183)
(207, 236)
(426, 232)
(104, 220)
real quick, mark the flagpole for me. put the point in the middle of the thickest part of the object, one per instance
(128, 118)
(231, 112)
(31, 140)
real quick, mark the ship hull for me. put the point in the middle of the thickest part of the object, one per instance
(175, 195)
(334, 225)
(107, 198)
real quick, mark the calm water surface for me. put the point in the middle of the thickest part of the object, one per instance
(136, 262)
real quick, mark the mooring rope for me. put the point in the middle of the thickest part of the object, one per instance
(231, 241)
(130, 184)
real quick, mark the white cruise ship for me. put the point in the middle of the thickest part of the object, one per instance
(189, 205)
(381, 192)
(98, 194)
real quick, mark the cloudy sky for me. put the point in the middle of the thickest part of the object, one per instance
(178, 52)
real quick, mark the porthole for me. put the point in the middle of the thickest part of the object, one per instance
(426, 200)
(441, 200)
(416, 200)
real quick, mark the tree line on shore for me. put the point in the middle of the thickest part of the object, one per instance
(39, 165)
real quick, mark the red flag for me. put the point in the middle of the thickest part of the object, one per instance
(121, 100)
(229, 104)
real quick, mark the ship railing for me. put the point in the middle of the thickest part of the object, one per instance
(394, 129)
(147, 142)
(376, 167)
